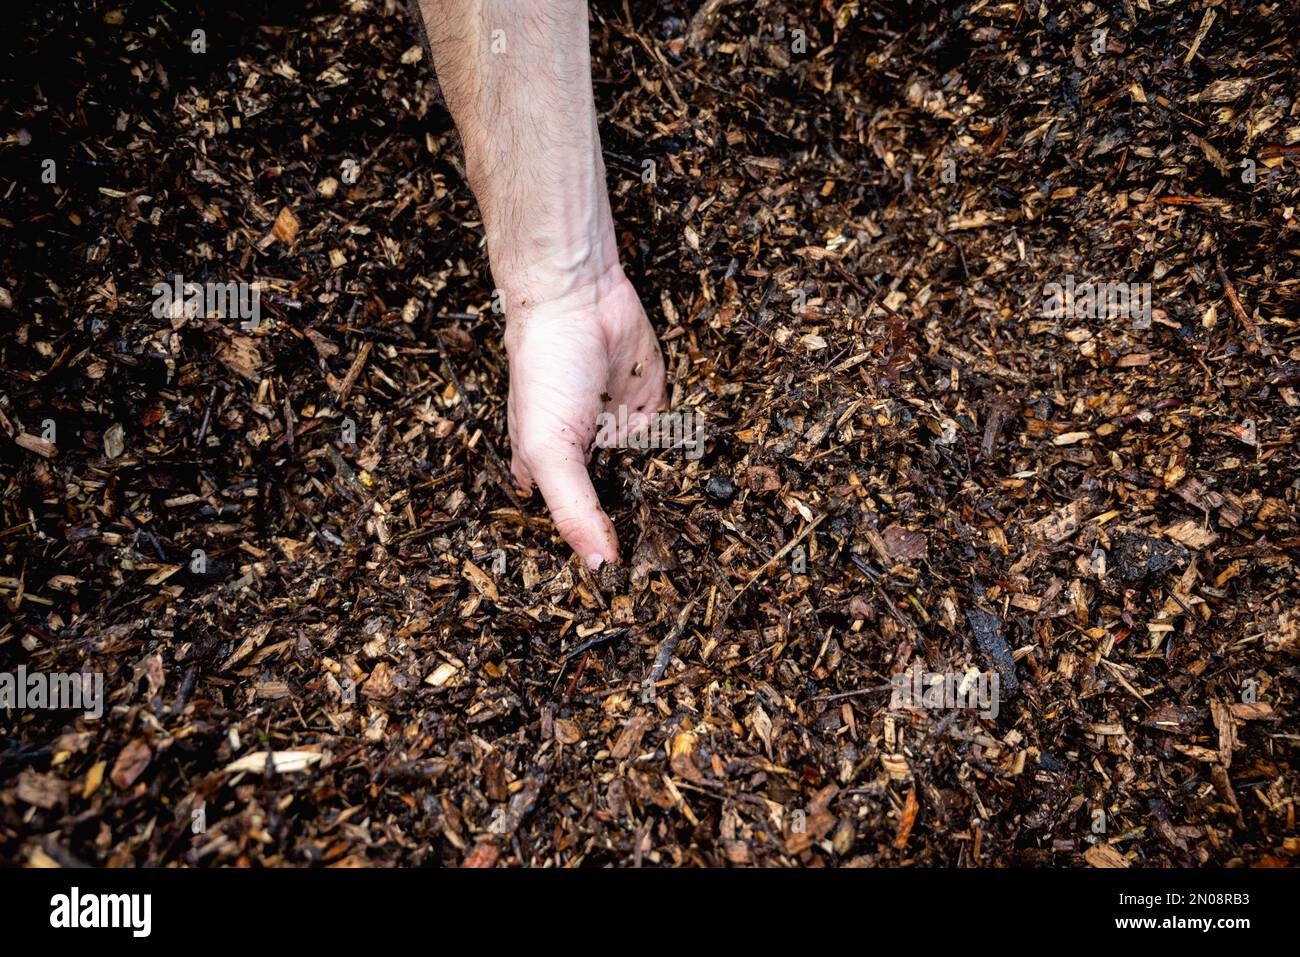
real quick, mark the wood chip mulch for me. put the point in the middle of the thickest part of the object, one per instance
(329, 632)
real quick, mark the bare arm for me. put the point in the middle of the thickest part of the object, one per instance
(516, 75)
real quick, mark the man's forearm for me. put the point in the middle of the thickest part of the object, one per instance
(516, 75)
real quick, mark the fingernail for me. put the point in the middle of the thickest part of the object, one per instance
(594, 562)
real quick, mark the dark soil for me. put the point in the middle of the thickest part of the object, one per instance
(845, 249)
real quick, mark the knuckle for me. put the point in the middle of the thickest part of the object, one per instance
(568, 522)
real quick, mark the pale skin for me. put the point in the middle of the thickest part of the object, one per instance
(516, 75)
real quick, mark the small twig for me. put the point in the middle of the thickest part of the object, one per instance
(986, 366)
(857, 286)
(665, 653)
(420, 533)
(298, 431)
(600, 639)
(664, 70)
(207, 413)
(871, 689)
(577, 675)
(152, 540)
(350, 378)
(1244, 319)
(288, 424)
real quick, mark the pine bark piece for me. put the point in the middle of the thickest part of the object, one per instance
(987, 628)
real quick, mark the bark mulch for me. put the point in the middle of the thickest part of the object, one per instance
(331, 633)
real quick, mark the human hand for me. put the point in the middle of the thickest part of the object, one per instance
(517, 80)
(588, 351)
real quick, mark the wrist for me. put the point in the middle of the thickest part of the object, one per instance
(546, 215)
(553, 258)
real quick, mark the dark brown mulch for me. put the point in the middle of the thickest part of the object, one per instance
(845, 248)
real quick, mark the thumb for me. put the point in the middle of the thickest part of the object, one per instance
(562, 477)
